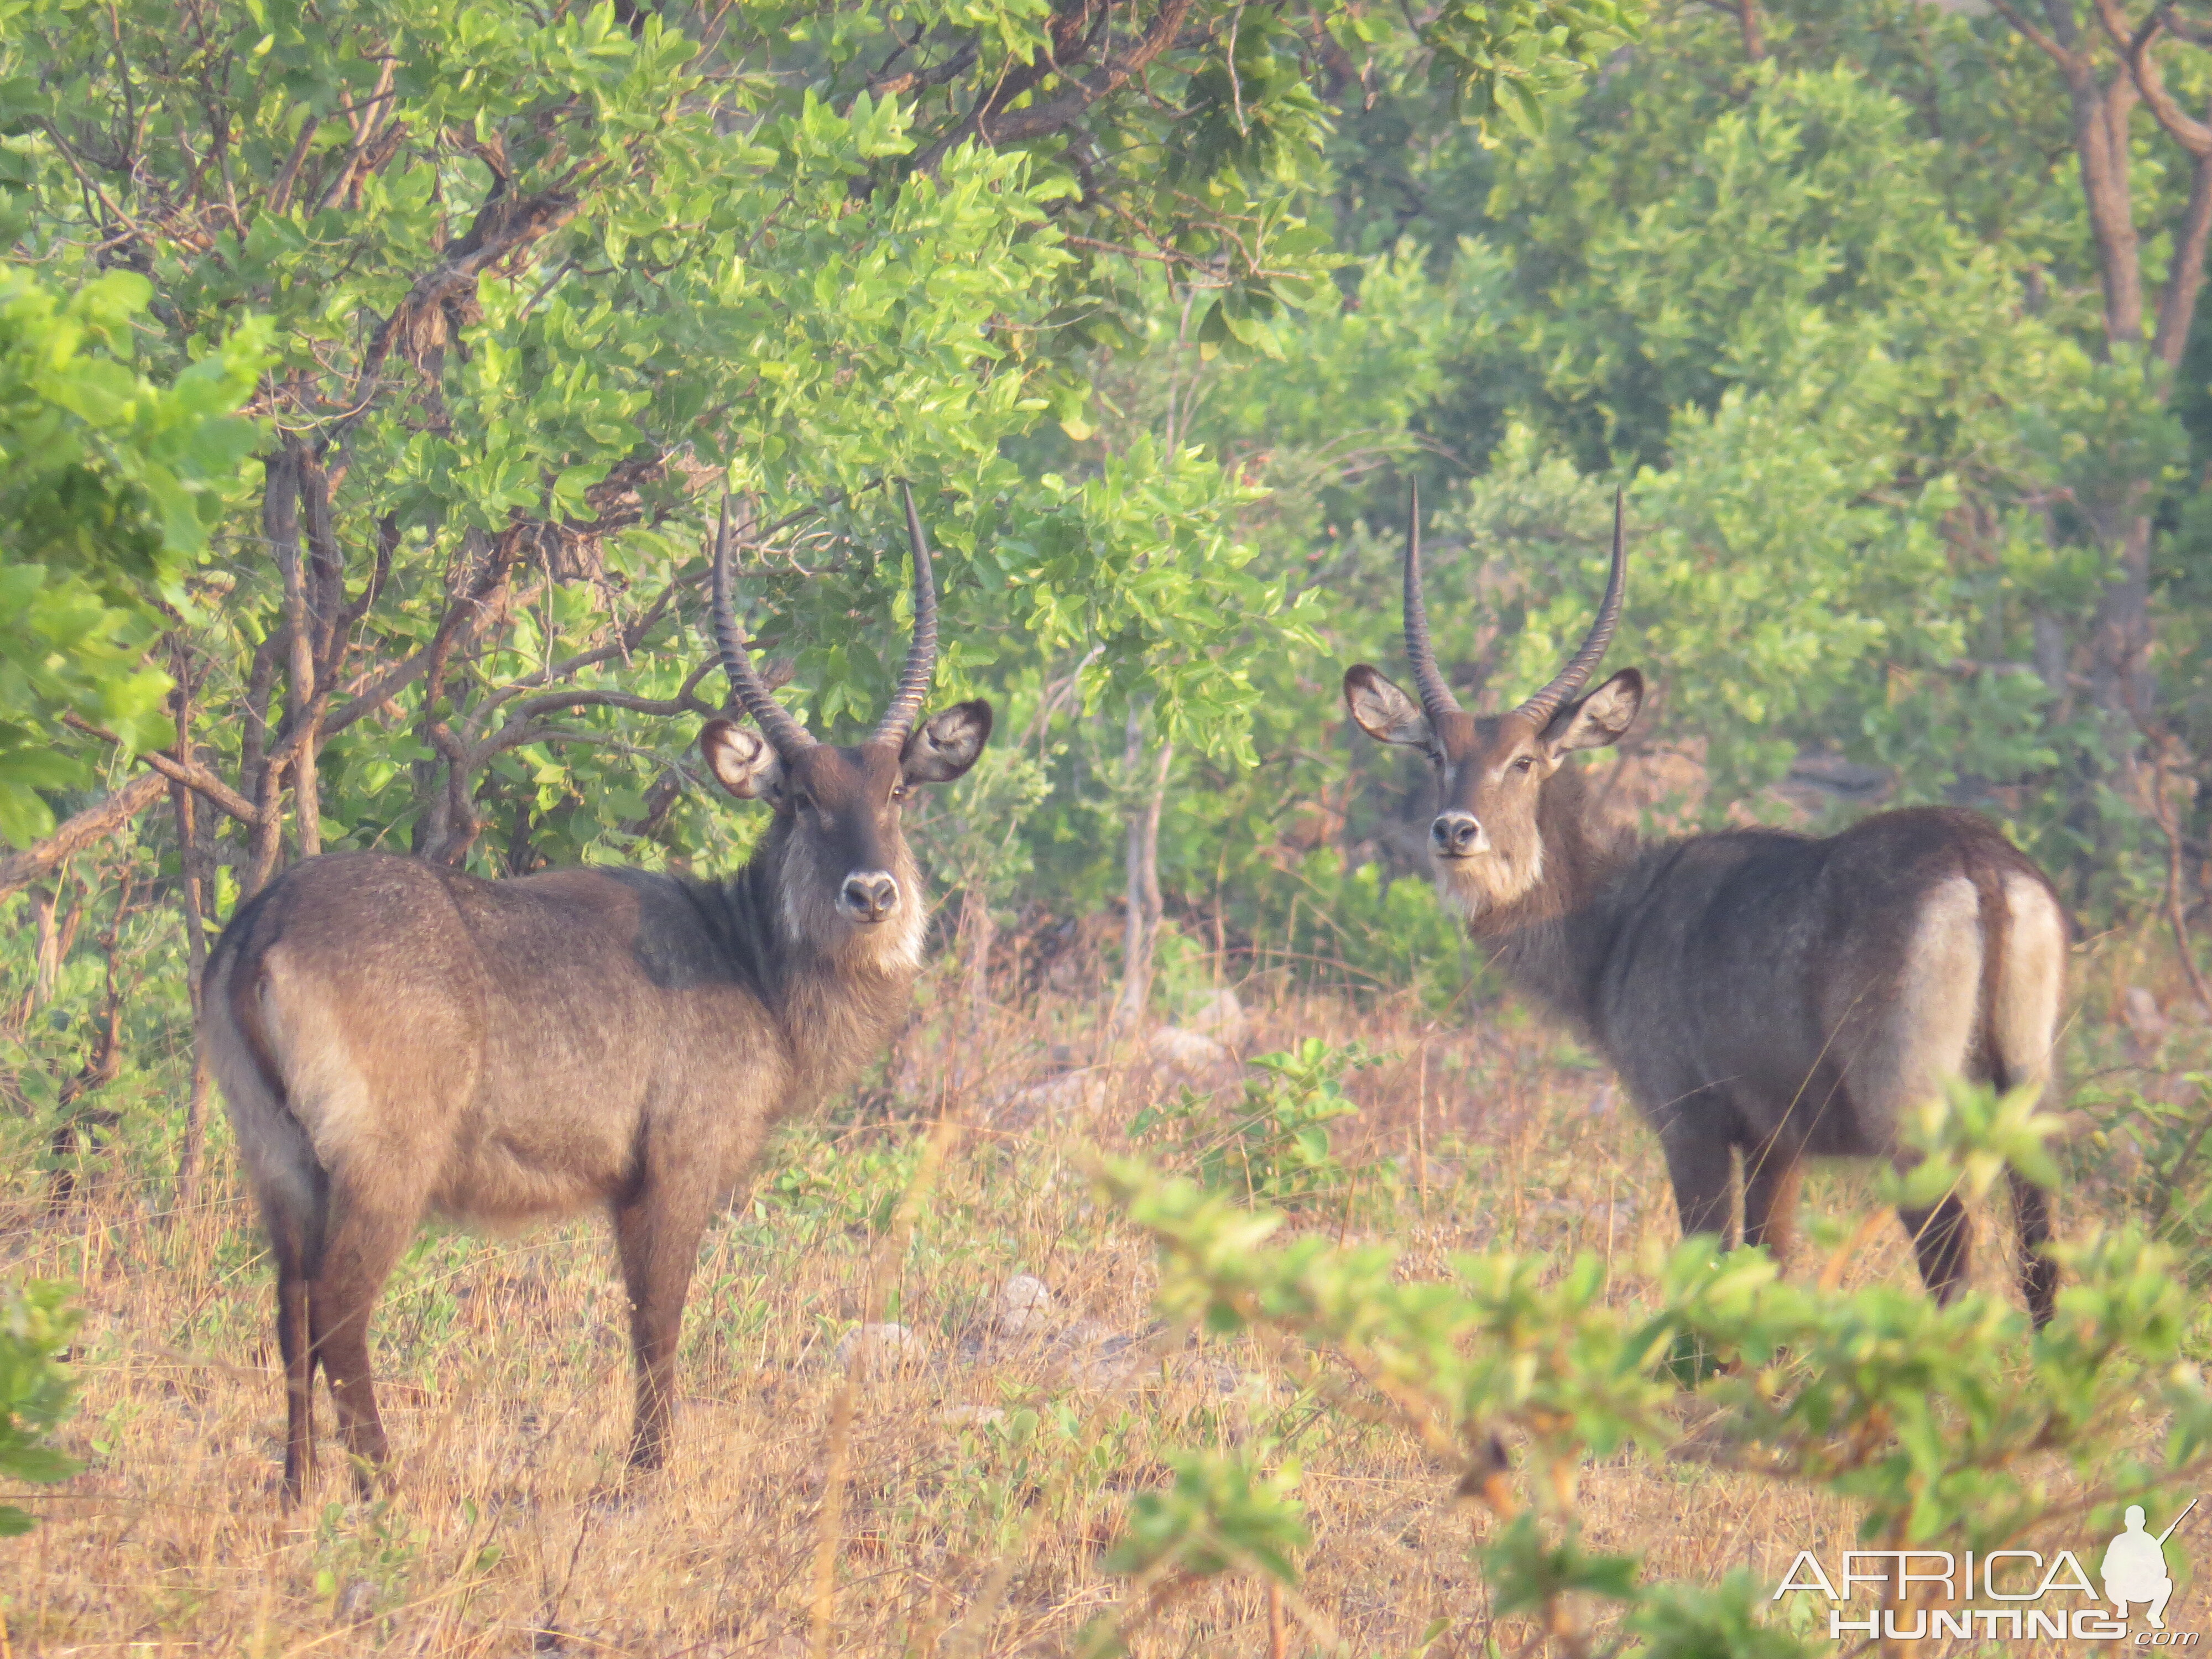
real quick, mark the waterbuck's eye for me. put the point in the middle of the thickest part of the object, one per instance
(1526, 762)
(898, 792)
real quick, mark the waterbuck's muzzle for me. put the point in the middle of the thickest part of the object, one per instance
(869, 896)
(1457, 835)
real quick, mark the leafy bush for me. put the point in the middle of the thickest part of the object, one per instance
(1272, 1144)
(36, 1323)
(109, 479)
(2159, 1154)
(1512, 1374)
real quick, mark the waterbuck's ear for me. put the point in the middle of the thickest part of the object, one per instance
(1600, 718)
(1384, 711)
(946, 744)
(744, 761)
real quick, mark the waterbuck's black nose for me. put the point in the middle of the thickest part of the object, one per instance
(1458, 836)
(869, 895)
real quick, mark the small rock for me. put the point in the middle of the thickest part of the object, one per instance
(1054, 1100)
(356, 1604)
(881, 1349)
(1222, 1016)
(1095, 1355)
(1024, 1304)
(2139, 1010)
(1180, 1055)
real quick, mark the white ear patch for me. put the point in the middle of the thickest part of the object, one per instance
(742, 762)
(1600, 718)
(1383, 711)
(947, 743)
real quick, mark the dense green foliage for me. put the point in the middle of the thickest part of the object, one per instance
(108, 483)
(526, 292)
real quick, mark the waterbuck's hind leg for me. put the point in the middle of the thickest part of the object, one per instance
(657, 1236)
(2024, 1018)
(291, 1242)
(1771, 1178)
(363, 1242)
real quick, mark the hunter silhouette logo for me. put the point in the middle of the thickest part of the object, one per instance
(2134, 1567)
(2034, 1596)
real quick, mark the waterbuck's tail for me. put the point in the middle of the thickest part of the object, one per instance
(2023, 972)
(288, 1179)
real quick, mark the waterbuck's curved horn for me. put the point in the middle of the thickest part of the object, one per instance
(921, 655)
(1437, 698)
(775, 720)
(1540, 708)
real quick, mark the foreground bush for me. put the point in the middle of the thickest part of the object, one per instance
(1953, 1428)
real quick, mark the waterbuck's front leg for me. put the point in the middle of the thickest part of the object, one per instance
(1770, 1180)
(1942, 1239)
(657, 1235)
(1702, 1172)
(2039, 1273)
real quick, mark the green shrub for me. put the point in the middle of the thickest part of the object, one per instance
(1943, 1426)
(36, 1323)
(1271, 1144)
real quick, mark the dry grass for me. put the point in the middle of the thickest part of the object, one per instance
(506, 1388)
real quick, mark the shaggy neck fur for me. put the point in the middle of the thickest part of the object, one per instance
(1554, 938)
(835, 989)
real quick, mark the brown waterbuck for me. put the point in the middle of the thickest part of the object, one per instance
(1777, 995)
(397, 1039)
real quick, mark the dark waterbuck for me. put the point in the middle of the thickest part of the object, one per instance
(1779, 995)
(397, 1039)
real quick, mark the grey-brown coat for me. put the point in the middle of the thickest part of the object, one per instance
(396, 1039)
(1763, 994)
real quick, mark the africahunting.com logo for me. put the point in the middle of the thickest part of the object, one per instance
(2133, 1572)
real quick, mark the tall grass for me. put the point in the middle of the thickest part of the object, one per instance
(957, 1495)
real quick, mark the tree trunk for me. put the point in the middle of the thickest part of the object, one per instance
(1140, 935)
(47, 967)
(280, 519)
(192, 889)
(2108, 76)
(979, 930)
(1754, 37)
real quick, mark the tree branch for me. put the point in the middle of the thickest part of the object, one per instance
(512, 732)
(2133, 47)
(1076, 34)
(97, 822)
(2184, 280)
(2033, 35)
(189, 773)
(1041, 120)
(502, 225)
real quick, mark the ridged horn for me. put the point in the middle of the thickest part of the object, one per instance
(1540, 708)
(1437, 698)
(922, 656)
(775, 720)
